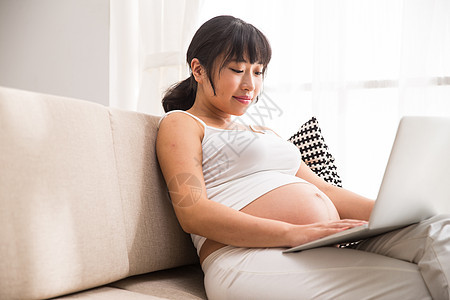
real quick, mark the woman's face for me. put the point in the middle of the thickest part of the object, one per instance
(237, 85)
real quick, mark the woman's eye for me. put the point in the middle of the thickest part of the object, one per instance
(236, 70)
(258, 73)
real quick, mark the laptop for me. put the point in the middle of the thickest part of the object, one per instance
(415, 185)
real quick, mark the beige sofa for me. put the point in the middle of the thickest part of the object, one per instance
(84, 211)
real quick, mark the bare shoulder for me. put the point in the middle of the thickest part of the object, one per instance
(179, 143)
(178, 124)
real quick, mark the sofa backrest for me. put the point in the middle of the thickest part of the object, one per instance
(154, 237)
(82, 201)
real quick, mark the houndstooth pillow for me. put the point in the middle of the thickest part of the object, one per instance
(315, 152)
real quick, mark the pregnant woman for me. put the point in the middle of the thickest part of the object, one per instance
(249, 194)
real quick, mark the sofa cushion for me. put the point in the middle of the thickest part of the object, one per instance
(184, 283)
(315, 152)
(61, 220)
(155, 239)
(109, 293)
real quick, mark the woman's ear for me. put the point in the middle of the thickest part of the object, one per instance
(198, 71)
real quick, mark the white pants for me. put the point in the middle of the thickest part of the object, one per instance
(409, 263)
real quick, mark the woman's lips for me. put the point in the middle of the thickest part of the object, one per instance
(243, 99)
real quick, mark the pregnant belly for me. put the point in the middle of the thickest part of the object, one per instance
(297, 203)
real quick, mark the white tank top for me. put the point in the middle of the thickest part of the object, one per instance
(241, 165)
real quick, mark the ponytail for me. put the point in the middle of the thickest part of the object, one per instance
(180, 96)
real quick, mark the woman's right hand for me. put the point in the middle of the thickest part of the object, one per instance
(302, 234)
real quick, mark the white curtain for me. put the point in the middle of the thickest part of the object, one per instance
(357, 65)
(149, 39)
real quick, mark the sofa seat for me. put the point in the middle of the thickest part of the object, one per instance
(178, 283)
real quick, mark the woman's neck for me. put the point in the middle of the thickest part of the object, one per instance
(211, 115)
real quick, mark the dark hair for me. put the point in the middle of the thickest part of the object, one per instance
(222, 35)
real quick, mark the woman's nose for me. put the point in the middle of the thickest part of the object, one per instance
(248, 82)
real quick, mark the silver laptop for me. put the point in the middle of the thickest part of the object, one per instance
(415, 185)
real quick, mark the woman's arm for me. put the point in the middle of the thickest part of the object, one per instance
(349, 205)
(179, 154)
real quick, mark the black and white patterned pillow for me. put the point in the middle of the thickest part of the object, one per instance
(315, 152)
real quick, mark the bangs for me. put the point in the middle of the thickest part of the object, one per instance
(247, 44)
